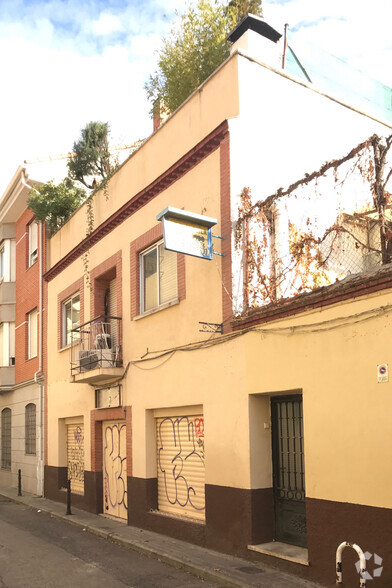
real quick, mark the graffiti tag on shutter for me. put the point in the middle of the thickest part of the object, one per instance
(180, 456)
(115, 463)
(76, 457)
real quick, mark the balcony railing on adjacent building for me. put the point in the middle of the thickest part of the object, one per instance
(96, 350)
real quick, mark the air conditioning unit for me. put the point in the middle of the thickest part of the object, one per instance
(95, 358)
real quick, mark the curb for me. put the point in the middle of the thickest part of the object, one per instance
(180, 564)
(195, 570)
(219, 575)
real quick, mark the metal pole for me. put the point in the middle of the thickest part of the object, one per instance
(362, 559)
(286, 27)
(19, 482)
(68, 498)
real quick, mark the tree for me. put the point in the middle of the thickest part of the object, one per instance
(91, 156)
(55, 203)
(241, 8)
(195, 47)
(90, 164)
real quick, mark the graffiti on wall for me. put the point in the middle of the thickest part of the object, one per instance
(75, 460)
(115, 469)
(181, 461)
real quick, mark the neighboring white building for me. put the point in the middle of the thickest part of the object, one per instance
(21, 391)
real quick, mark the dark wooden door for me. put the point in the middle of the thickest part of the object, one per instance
(288, 469)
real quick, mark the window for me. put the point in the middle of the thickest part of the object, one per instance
(30, 429)
(33, 242)
(6, 438)
(32, 334)
(7, 344)
(158, 277)
(2, 262)
(70, 318)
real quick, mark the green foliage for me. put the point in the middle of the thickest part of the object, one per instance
(91, 156)
(194, 49)
(92, 165)
(240, 8)
(55, 204)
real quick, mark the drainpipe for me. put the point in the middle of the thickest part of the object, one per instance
(286, 26)
(38, 376)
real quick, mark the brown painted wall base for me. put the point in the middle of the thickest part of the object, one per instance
(330, 523)
(142, 512)
(55, 483)
(55, 478)
(236, 518)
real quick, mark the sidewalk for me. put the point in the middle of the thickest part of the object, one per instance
(203, 563)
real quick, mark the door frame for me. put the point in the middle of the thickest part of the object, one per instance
(289, 513)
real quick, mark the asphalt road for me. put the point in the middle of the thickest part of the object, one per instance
(37, 550)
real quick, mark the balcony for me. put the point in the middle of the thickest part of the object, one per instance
(7, 378)
(96, 351)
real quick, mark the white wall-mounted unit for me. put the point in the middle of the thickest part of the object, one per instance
(95, 358)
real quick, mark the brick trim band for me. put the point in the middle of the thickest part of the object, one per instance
(326, 296)
(177, 170)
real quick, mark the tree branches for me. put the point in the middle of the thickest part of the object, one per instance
(195, 47)
(91, 156)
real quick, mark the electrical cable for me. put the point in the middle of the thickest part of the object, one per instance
(322, 326)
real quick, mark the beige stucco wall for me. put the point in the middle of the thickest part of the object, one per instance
(17, 400)
(160, 330)
(334, 364)
(346, 412)
(214, 102)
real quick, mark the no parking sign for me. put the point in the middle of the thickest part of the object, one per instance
(382, 373)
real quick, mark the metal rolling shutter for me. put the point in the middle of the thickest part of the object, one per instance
(181, 471)
(75, 457)
(115, 495)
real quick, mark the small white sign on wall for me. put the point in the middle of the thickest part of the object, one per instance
(382, 373)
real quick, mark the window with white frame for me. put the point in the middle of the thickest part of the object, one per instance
(7, 260)
(7, 344)
(33, 242)
(30, 429)
(70, 313)
(158, 277)
(32, 334)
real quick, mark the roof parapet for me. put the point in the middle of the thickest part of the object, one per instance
(255, 36)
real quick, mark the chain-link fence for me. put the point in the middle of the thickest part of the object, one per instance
(320, 233)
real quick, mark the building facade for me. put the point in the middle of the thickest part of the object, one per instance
(235, 408)
(21, 390)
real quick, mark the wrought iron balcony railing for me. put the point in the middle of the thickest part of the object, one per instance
(96, 344)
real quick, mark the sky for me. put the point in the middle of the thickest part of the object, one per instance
(64, 63)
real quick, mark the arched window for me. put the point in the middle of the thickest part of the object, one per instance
(30, 429)
(6, 438)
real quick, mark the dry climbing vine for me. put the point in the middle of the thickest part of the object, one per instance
(104, 187)
(288, 249)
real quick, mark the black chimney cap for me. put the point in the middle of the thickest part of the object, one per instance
(257, 24)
